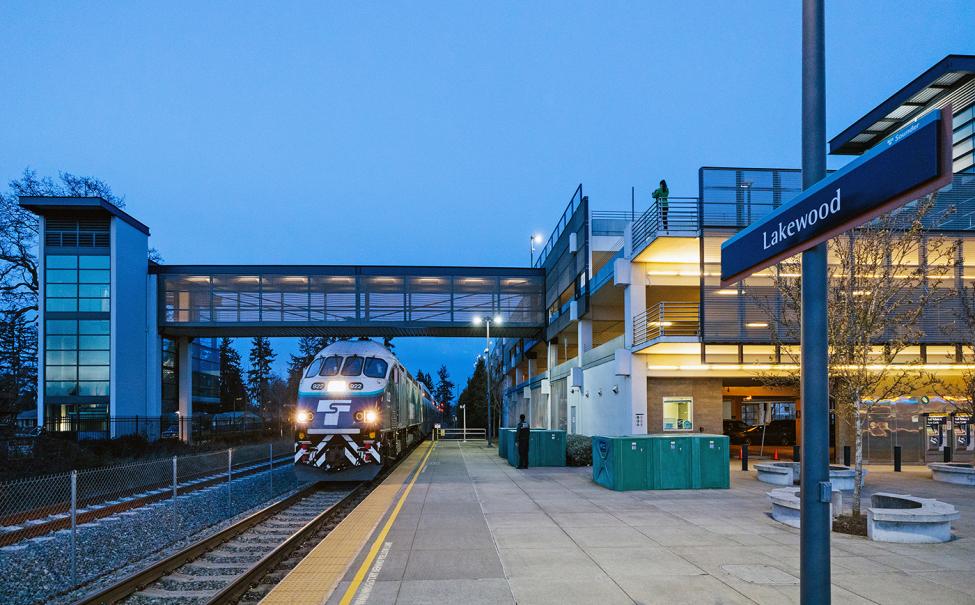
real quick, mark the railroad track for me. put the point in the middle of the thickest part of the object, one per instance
(242, 562)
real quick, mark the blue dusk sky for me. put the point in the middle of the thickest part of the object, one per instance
(425, 132)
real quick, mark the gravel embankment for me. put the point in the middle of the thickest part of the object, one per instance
(39, 569)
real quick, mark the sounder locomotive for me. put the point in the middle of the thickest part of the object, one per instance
(357, 405)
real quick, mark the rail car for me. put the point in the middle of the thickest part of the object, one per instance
(357, 406)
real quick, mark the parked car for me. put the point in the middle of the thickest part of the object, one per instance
(777, 432)
(735, 430)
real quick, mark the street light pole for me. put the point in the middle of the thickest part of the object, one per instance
(487, 366)
(487, 374)
(464, 436)
(535, 239)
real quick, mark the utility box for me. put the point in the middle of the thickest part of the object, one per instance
(621, 463)
(545, 448)
(671, 462)
(710, 461)
(680, 461)
(504, 438)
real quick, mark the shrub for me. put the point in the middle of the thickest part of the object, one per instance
(578, 450)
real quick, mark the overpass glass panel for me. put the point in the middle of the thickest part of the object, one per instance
(421, 301)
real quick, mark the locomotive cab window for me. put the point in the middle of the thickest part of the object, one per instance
(331, 366)
(353, 366)
(376, 368)
(314, 367)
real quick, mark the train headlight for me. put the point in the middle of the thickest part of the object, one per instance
(303, 416)
(337, 386)
(371, 416)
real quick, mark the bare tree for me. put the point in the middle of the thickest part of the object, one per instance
(883, 279)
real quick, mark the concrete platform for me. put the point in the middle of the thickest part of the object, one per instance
(475, 530)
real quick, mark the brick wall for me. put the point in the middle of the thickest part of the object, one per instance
(707, 401)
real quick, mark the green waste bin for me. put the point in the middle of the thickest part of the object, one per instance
(545, 448)
(621, 463)
(670, 461)
(711, 461)
(503, 442)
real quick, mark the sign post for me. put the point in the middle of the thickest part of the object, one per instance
(815, 492)
(907, 165)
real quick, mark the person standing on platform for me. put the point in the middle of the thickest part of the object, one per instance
(522, 436)
(660, 195)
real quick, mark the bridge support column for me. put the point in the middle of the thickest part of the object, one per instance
(184, 380)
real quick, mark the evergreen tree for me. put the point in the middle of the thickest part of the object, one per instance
(233, 394)
(308, 347)
(18, 366)
(444, 393)
(474, 397)
(426, 379)
(259, 375)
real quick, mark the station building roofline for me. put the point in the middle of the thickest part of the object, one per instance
(42, 205)
(383, 270)
(924, 91)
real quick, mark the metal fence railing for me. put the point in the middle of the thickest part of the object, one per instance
(83, 524)
(197, 429)
(676, 214)
(667, 319)
(463, 434)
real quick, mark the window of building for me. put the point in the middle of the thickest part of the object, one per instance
(376, 368)
(78, 284)
(352, 366)
(77, 357)
(331, 366)
(678, 413)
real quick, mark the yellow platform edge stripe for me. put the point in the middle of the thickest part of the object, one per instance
(374, 550)
(316, 576)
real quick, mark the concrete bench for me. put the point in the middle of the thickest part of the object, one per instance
(960, 473)
(906, 519)
(787, 473)
(785, 505)
(777, 473)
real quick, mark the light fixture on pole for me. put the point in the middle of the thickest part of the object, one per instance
(464, 434)
(487, 366)
(535, 239)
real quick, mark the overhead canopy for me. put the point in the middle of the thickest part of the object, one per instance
(950, 80)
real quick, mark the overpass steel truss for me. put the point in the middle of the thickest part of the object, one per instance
(347, 300)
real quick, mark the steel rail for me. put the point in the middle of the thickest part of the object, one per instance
(240, 586)
(142, 578)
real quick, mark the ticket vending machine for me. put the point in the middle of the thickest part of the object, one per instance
(935, 436)
(962, 433)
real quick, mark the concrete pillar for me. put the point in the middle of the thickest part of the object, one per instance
(584, 330)
(552, 355)
(638, 396)
(184, 380)
(634, 300)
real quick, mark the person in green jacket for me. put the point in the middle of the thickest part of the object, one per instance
(660, 195)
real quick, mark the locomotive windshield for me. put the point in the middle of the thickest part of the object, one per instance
(353, 366)
(331, 366)
(376, 368)
(314, 367)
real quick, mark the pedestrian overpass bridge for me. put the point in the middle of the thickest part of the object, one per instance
(347, 300)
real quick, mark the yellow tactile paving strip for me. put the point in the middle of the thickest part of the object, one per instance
(314, 579)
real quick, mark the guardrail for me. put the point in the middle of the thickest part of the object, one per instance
(675, 214)
(667, 319)
(463, 434)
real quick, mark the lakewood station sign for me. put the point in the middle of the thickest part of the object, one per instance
(909, 164)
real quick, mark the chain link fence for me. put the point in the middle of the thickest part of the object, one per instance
(59, 532)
